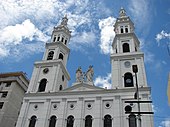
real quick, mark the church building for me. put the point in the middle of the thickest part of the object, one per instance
(49, 102)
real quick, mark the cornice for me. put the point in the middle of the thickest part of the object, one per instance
(113, 92)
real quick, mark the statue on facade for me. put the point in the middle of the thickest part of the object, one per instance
(89, 74)
(79, 75)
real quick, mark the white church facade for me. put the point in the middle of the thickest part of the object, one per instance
(49, 102)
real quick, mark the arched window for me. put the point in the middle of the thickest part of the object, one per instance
(54, 39)
(61, 56)
(128, 79)
(132, 120)
(42, 85)
(61, 87)
(121, 29)
(65, 42)
(70, 121)
(126, 29)
(62, 39)
(52, 121)
(50, 55)
(126, 47)
(88, 121)
(58, 38)
(32, 121)
(63, 78)
(107, 121)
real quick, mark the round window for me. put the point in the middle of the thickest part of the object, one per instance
(35, 107)
(54, 106)
(71, 106)
(45, 71)
(107, 105)
(89, 106)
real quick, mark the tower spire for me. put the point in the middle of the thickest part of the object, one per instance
(122, 13)
(64, 20)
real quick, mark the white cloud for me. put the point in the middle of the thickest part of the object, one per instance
(11, 37)
(44, 14)
(165, 123)
(162, 35)
(104, 82)
(107, 34)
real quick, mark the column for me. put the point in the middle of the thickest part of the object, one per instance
(97, 117)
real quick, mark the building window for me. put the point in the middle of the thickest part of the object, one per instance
(50, 55)
(8, 84)
(54, 39)
(32, 121)
(52, 121)
(126, 29)
(42, 85)
(1, 105)
(61, 56)
(63, 78)
(121, 29)
(65, 42)
(58, 38)
(132, 120)
(88, 121)
(62, 40)
(128, 79)
(126, 47)
(4, 94)
(107, 121)
(70, 121)
(61, 87)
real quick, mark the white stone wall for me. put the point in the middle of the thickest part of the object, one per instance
(80, 100)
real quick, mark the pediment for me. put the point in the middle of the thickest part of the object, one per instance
(83, 87)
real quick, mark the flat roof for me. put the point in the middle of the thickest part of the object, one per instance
(14, 74)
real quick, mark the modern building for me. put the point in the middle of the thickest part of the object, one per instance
(49, 102)
(12, 89)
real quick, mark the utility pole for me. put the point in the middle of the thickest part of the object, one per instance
(128, 108)
(135, 70)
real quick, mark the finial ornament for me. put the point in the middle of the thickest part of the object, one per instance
(64, 20)
(122, 12)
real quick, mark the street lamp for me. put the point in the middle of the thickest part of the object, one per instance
(135, 70)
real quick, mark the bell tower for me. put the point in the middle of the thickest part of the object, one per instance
(126, 53)
(50, 74)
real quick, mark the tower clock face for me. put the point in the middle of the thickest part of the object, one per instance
(128, 81)
(127, 64)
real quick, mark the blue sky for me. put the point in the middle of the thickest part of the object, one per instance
(25, 26)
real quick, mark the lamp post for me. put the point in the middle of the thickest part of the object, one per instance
(135, 70)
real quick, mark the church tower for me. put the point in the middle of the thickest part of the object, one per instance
(126, 53)
(49, 77)
(50, 74)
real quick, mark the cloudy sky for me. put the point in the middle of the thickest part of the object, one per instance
(26, 25)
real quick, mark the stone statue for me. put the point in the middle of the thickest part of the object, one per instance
(79, 75)
(89, 74)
